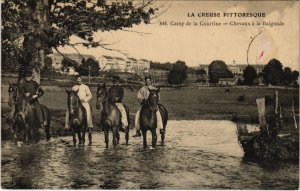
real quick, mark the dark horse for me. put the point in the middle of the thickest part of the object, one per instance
(77, 118)
(148, 119)
(25, 117)
(110, 115)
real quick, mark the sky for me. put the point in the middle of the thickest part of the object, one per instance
(202, 44)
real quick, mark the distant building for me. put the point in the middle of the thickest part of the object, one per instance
(106, 63)
(117, 64)
(236, 69)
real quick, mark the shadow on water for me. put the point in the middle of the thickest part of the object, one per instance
(29, 164)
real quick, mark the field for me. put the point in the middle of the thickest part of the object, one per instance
(189, 103)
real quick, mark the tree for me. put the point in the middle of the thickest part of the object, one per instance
(287, 76)
(218, 69)
(32, 28)
(200, 72)
(178, 74)
(272, 72)
(84, 68)
(249, 75)
(295, 76)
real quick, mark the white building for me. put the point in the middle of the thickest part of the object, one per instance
(106, 63)
(119, 64)
(130, 65)
(144, 64)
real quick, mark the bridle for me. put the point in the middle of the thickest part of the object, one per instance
(71, 105)
(99, 92)
(148, 102)
(12, 89)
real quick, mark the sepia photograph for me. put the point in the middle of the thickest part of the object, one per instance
(150, 94)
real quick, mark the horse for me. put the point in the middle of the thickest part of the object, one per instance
(148, 120)
(110, 116)
(77, 118)
(24, 115)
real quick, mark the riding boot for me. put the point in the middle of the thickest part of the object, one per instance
(138, 134)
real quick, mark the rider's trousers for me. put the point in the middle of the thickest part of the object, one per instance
(158, 117)
(123, 114)
(88, 115)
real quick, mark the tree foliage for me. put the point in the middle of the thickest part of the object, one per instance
(31, 28)
(89, 63)
(287, 76)
(200, 72)
(249, 75)
(218, 69)
(295, 75)
(273, 72)
(178, 74)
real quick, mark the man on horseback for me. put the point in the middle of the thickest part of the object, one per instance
(85, 95)
(32, 91)
(117, 93)
(142, 96)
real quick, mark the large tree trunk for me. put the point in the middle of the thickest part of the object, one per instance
(34, 45)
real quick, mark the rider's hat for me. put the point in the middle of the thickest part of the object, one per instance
(147, 77)
(116, 79)
(28, 73)
(78, 76)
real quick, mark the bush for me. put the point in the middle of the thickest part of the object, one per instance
(241, 98)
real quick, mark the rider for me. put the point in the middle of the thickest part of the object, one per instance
(85, 95)
(32, 92)
(117, 92)
(142, 97)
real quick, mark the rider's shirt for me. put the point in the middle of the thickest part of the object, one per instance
(30, 87)
(143, 94)
(116, 92)
(84, 92)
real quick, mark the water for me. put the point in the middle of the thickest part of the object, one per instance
(198, 155)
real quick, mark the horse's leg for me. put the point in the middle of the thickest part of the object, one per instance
(127, 135)
(163, 137)
(26, 133)
(90, 136)
(83, 135)
(47, 128)
(74, 136)
(106, 133)
(154, 137)
(79, 135)
(144, 132)
(114, 132)
(47, 132)
(118, 136)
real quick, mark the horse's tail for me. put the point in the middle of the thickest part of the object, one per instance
(164, 113)
(46, 114)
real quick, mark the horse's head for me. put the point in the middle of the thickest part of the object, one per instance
(153, 98)
(102, 95)
(13, 94)
(73, 100)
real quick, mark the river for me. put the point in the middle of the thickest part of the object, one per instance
(201, 154)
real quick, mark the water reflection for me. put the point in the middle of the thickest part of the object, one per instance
(196, 156)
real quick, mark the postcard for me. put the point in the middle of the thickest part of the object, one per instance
(152, 94)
